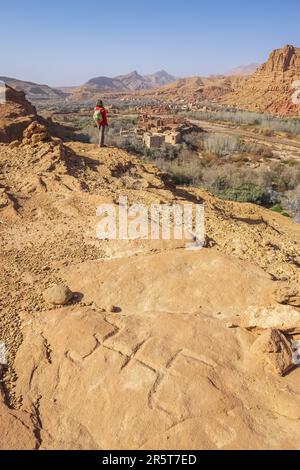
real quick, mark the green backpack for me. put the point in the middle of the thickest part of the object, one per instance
(97, 116)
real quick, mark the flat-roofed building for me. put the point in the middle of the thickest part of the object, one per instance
(153, 140)
(172, 138)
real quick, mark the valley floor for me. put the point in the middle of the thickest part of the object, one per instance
(283, 148)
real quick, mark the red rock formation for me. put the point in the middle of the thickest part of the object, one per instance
(270, 88)
(15, 115)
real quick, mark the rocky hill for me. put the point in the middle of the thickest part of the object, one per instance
(34, 91)
(101, 84)
(171, 348)
(133, 82)
(269, 89)
(195, 88)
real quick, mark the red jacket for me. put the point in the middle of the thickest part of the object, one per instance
(104, 121)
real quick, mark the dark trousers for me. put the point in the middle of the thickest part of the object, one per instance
(101, 135)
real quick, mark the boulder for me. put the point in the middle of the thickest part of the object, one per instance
(273, 348)
(58, 294)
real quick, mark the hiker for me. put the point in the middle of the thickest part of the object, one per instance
(100, 118)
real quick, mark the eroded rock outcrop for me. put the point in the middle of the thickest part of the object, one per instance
(274, 349)
(269, 89)
(15, 115)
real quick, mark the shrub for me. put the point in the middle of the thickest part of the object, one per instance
(246, 192)
(129, 143)
(222, 145)
(184, 171)
(291, 200)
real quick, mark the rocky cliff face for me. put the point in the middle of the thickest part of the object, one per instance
(270, 88)
(285, 60)
(15, 115)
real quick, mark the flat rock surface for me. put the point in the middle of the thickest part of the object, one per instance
(157, 379)
(185, 282)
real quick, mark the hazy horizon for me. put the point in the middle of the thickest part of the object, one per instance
(66, 44)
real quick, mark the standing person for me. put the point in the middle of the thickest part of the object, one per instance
(100, 118)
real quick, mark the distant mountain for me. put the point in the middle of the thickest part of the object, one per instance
(243, 70)
(133, 81)
(130, 82)
(103, 84)
(123, 83)
(32, 90)
(160, 78)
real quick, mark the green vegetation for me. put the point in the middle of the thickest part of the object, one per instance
(268, 124)
(245, 192)
(279, 209)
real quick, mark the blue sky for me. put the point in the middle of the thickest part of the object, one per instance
(68, 42)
